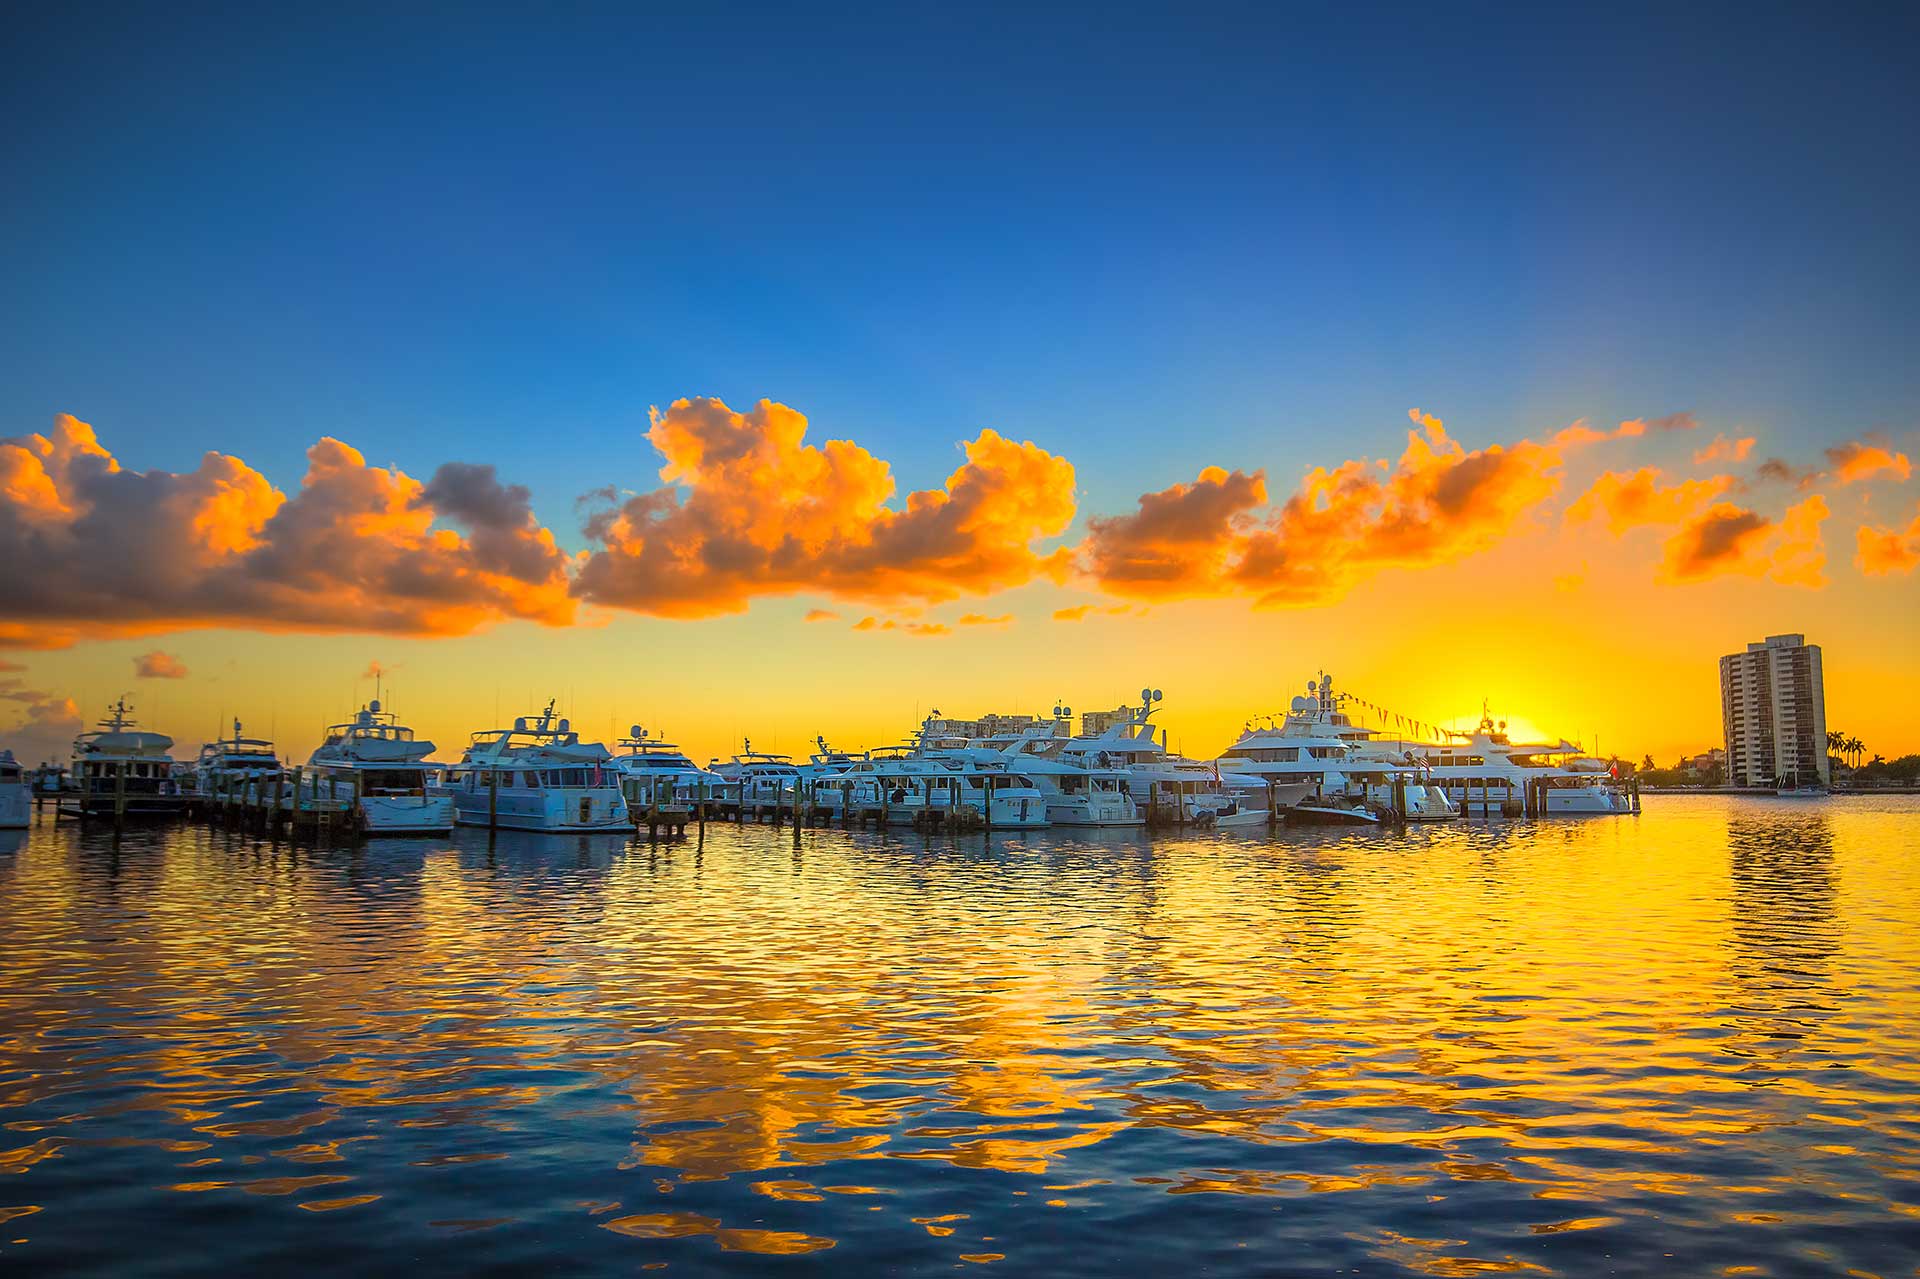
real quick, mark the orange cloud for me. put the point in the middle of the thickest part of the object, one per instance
(1884, 550)
(1080, 612)
(1631, 500)
(1725, 450)
(910, 628)
(754, 510)
(1671, 422)
(820, 615)
(1728, 539)
(159, 665)
(1216, 536)
(1580, 433)
(90, 550)
(982, 619)
(1858, 460)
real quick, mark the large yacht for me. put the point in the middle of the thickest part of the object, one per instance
(376, 761)
(1074, 791)
(537, 775)
(759, 777)
(230, 764)
(16, 794)
(1321, 766)
(1486, 774)
(119, 768)
(1194, 792)
(911, 784)
(651, 762)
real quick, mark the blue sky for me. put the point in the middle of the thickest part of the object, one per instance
(1148, 239)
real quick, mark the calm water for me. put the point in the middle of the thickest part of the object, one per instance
(1687, 1042)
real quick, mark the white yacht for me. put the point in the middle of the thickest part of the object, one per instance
(1193, 792)
(648, 763)
(1486, 774)
(912, 786)
(1074, 791)
(1323, 767)
(16, 794)
(119, 768)
(232, 763)
(760, 778)
(828, 762)
(537, 775)
(376, 761)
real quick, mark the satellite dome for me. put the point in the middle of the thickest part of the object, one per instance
(634, 731)
(1300, 704)
(565, 726)
(374, 706)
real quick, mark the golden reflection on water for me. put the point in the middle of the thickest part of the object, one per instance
(1450, 1051)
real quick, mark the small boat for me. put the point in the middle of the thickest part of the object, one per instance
(537, 775)
(16, 794)
(121, 770)
(375, 763)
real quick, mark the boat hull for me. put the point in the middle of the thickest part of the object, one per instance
(16, 807)
(556, 811)
(406, 815)
(152, 807)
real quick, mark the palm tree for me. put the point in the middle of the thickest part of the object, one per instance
(1856, 748)
(1836, 741)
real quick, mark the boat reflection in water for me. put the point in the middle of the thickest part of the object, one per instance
(1679, 1044)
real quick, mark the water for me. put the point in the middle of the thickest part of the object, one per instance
(1687, 1042)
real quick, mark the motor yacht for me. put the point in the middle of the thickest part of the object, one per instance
(118, 768)
(232, 764)
(16, 794)
(759, 778)
(914, 786)
(1074, 791)
(376, 762)
(1321, 766)
(1486, 774)
(1187, 791)
(648, 763)
(537, 775)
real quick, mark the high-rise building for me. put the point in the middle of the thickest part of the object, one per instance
(1773, 704)
(1094, 723)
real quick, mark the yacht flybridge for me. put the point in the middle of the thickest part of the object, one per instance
(375, 761)
(120, 770)
(1487, 774)
(1203, 793)
(234, 762)
(537, 775)
(1322, 767)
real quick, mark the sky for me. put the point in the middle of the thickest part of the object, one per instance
(1494, 354)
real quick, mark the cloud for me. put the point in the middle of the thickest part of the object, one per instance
(1879, 551)
(5, 665)
(90, 550)
(1218, 536)
(820, 615)
(379, 670)
(1080, 612)
(982, 619)
(159, 665)
(1858, 460)
(910, 628)
(1671, 422)
(752, 510)
(1725, 450)
(1630, 500)
(1728, 539)
(1778, 470)
(47, 727)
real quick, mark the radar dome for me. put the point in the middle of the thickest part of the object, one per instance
(1300, 704)
(633, 730)
(374, 706)
(564, 726)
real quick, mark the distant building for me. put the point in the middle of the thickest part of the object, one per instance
(991, 726)
(1094, 723)
(1773, 705)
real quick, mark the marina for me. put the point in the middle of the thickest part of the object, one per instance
(1315, 765)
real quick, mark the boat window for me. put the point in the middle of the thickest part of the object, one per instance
(530, 780)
